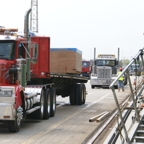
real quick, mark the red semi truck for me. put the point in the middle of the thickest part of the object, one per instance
(86, 68)
(27, 88)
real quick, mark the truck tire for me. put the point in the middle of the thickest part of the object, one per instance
(92, 87)
(52, 102)
(40, 112)
(72, 97)
(84, 93)
(116, 86)
(46, 104)
(79, 94)
(14, 125)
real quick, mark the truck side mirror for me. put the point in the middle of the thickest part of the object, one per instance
(34, 52)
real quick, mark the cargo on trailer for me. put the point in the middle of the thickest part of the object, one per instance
(65, 60)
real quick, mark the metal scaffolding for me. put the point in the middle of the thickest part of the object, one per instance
(130, 114)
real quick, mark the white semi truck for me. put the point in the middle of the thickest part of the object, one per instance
(104, 70)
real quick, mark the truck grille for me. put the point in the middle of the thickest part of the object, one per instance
(104, 72)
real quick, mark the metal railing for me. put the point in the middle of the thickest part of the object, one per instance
(133, 95)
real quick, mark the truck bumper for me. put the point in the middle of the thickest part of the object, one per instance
(7, 110)
(101, 82)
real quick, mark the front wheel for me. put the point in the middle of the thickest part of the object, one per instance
(92, 87)
(14, 125)
(72, 96)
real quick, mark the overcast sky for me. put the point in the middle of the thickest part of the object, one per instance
(84, 24)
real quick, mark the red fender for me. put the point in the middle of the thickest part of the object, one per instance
(18, 100)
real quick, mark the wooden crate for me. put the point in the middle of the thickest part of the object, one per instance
(65, 60)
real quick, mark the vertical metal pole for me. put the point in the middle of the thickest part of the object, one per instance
(118, 55)
(26, 34)
(94, 60)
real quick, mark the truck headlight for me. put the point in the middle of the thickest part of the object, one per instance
(6, 93)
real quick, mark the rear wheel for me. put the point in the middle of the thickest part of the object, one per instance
(79, 94)
(40, 112)
(72, 96)
(84, 93)
(46, 104)
(52, 102)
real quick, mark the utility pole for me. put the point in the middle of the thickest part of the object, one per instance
(34, 16)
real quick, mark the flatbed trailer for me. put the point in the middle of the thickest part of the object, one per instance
(66, 85)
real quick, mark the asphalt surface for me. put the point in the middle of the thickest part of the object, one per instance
(71, 123)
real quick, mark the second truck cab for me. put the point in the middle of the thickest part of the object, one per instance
(104, 70)
(86, 68)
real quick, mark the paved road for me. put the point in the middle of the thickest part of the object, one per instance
(71, 123)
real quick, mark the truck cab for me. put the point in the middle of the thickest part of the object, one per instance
(104, 70)
(18, 65)
(86, 68)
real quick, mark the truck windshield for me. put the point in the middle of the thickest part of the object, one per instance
(86, 64)
(7, 50)
(105, 62)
